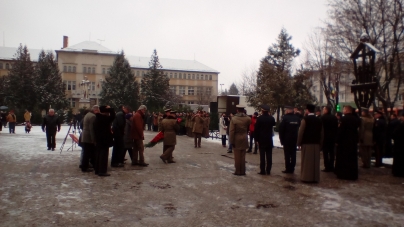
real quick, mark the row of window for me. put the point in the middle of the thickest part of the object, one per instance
(71, 85)
(72, 69)
(191, 90)
(7, 66)
(181, 76)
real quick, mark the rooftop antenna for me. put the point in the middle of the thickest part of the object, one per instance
(101, 40)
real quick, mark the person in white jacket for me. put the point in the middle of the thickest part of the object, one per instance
(223, 128)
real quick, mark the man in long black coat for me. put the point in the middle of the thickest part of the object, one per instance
(103, 138)
(288, 130)
(330, 126)
(51, 124)
(346, 165)
(379, 137)
(263, 135)
(118, 127)
(398, 149)
(391, 127)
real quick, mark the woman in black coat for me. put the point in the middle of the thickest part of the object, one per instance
(103, 138)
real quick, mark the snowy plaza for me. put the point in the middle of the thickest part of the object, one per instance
(46, 188)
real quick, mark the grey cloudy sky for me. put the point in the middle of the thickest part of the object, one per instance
(227, 35)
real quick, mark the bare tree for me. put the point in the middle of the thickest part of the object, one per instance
(248, 83)
(383, 22)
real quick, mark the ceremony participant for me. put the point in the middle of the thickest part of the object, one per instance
(51, 124)
(310, 138)
(330, 127)
(263, 133)
(251, 134)
(231, 115)
(103, 139)
(12, 120)
(170, 127)
(206, 124)
(391, 126)
(288, 130)
(88, 139)
(3, 118)
(238, 138)
(127, 138)
(398, 149)
(346, 163)
(197, 128)
(118, 129)
(223, 129)
(379, 137)
(366, 137)
(137, 133)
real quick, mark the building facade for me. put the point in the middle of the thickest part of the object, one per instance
(84, 67)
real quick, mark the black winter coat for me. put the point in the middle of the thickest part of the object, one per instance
(263, 130)
(330, 127)
(51, 123)
(102, 129)
(379, 130)
(118, 127)
(289, 129)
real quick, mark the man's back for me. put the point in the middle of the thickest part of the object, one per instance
(263, 130)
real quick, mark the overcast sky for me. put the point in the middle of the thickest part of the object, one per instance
(226, 35)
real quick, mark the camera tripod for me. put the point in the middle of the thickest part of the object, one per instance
(64, 141)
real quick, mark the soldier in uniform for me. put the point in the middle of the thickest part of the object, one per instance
(263, 134)
(239, 139)
(288, 130)
(170, 127)
(198, 128)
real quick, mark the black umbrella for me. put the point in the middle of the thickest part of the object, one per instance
(3, 107)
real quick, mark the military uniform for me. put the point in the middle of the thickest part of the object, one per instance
(288, 130)
(169, 127)
(197, 129)
(239, 139)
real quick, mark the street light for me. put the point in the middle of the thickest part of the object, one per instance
(221, 88)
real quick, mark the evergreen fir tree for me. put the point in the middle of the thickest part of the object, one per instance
(120, 87)
(233, 90)
(49, 86)
(20, 81)
(155, 85)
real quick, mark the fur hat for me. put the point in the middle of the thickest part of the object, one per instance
(311, 108)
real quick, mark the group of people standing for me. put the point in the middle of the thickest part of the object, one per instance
(338, 136)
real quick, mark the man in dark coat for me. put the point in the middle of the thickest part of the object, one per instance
(51, 124)
(379, 137)
(330, 126)
(263, 135)
(394, 122)
(103, 138)
(137, 133)
(346, 164)
(398, 149)
(118, 127)
(310, 138)
(288, 130)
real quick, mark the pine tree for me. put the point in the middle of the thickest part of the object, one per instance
(20, 81)
(49, 87)
(155, 85)
(120, 87)
(233, 90)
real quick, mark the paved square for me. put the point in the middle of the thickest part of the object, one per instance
(45, 188)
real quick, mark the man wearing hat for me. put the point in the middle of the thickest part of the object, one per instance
(103, 139)
(288, 130)
(379, 136)
(346, 163)
(239, 139)
(263, 132)
(198, 128)
(169, 127)
(310, 138)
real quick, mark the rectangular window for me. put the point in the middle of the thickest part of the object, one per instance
(137, 73)
(64, 68)
(72, 102)
(193, 76)
(199, 90)
(190, 102)
(210, 77)
(180, 77)
(74, 69)
(189, 76)
(84, 69)
(69, 85)
(103, 70)
(190, 90)
(182, 90)
(197, 76)
(93, 70)
(206, 77)
(175, 75)
(400, 97)
(208, 91)
(69, 69)
(1, 65)
(173, 89)
(73, 85)
(92, 86)
(7, 66)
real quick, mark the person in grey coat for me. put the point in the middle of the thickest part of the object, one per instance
(88, 139)
(127, 139)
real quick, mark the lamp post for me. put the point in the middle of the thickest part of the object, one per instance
(221, 88)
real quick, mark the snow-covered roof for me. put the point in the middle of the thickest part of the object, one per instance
(170, 64)
(8, 53)
(88, 46)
